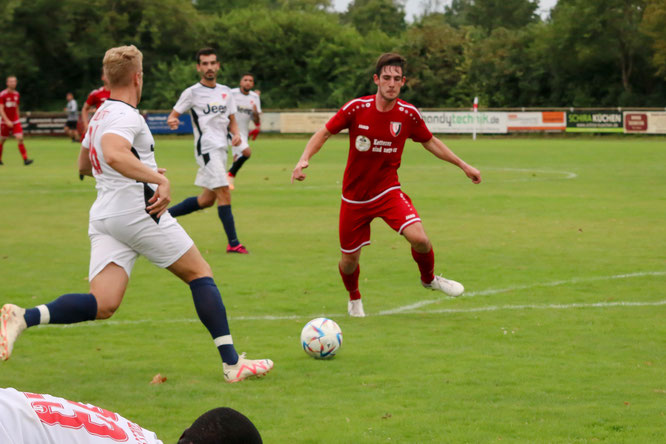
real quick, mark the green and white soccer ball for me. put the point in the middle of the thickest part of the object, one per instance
(321, 338)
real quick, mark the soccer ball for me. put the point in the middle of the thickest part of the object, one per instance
(321, 338)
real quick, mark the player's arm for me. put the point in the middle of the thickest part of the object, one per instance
(118, 154)
(313, 146)
(85, 166)
(440, 150)
(173, 120)
(84, 117)
(233, 130)
(5, 119)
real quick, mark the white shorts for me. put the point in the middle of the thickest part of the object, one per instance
(212, 169)
(237, 151)
(121, 239)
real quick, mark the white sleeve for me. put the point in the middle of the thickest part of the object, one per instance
(258, 104)
(184, 103)
(231, 106)
(85, 143)
(126, 125)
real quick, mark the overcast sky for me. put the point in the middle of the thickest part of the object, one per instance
(415, 7)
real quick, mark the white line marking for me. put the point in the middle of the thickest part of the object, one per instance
(470, 294)
(412, 307)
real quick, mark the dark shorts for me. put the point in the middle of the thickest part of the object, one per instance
(395, 207)
(71, 124)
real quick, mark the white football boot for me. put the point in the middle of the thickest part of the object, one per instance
(355, 308)
(11, 326)
(451, 288)
(246, 368)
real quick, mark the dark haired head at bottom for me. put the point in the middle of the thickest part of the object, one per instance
(222, 425)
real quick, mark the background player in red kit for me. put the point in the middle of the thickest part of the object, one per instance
(94, 101)
(378, 127)
(9, 115)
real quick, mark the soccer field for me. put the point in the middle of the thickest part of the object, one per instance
(560, 336)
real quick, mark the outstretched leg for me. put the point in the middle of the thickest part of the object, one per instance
(195, 271)
(423, 254)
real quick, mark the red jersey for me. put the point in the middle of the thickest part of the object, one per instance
(97, 97)
(10, 100)
(376, 141)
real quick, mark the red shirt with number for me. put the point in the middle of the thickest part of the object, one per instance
(97, 97)
(376, 141)
(10, 100)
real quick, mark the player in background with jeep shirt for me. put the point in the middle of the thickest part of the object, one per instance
(128, 218)
(248, 104)
(378, 127)
(212, 107)
(32, 418)
(9, 118)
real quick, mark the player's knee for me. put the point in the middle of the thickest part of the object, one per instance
(247, 152)
(420, 243)
(348, 264)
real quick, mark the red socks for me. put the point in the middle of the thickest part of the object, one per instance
(351, 282)
(426, 263)
(24, 153)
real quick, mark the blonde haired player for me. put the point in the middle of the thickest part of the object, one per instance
(130, 218)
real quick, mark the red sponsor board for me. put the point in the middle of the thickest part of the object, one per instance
(635, 122)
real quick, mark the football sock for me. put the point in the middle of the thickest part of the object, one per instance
(187, 206)
(426, 263)
(351, 282)
(211, 311)
(237, 165)
(67, 309)
(224, 211)
(24, 153)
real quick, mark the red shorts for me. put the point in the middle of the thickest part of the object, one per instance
(6, 131)
(395, 207)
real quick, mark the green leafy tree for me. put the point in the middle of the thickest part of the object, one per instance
(368, 15)
(492, 14)
(654, 25)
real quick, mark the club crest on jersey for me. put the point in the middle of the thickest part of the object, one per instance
(362, 143)
(395, 128)
(224, 96)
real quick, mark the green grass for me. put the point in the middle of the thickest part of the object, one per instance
(563, 235)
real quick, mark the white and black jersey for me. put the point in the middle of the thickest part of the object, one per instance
(245, 104)
(210, 109)
(117, 194)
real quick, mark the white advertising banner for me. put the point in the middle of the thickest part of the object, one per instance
(303, 122)
(536, 121)
(466, 122)
(646, 122)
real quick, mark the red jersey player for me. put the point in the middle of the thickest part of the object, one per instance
(9, 115)
(378, 127)
(94, 101)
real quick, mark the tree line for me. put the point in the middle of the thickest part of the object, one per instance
(305, 55)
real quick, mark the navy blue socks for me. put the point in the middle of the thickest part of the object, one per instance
(224, 211)
(211, 311)
(67, 309)
(187, 206)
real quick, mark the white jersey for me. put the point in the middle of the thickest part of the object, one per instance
(245, 104)
(117, 194)
(210, 109)
(45, 419)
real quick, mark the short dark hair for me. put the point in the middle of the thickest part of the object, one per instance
(248, 73)
(221, 425)
(390, 59)
(205, 51)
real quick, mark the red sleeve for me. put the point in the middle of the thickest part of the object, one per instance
(420, 132)
(92, 99)
(338, 122)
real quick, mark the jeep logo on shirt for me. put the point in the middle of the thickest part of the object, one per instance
(215, 109)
